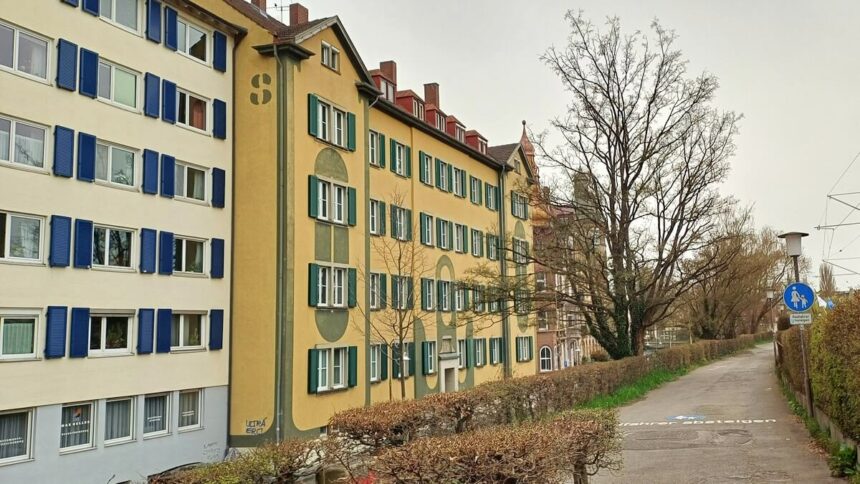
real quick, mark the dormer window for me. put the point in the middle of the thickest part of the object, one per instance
(460, 133)
(330, 56)
(482, 146)
(387, 89)
(418, 109)
(440, 122)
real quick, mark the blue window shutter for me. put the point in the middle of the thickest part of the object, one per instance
(171, 27)
(147, 250)
(83, 244)
(145, 327)
(168, 175)
(168, 101)
(67, 65)
(219, 57)
(61, 238)
(55, 332)
(219, 119)
(162, 331)
(89, 73)
(313, 367)
(64, 151)
(218, 186)
(165, 252)
(217, 267)
(151, 101)
(91, 7)
(86, 157)
(150, 172)
(79, 333)
(216, 329)
(153, 20)
(350, 131)
(73, 3)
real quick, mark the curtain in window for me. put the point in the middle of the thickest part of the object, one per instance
(5, 134)
(29, 145)
(24, 238)
(32, 55)
(18, 337)
(189, 403)
(197, 113)
(118, 419)
(75, 426)
(196, 184)
(155, 414)
(13, 435)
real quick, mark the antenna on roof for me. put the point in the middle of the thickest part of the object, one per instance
(280, 9)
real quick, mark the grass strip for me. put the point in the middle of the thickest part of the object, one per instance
(636, 390)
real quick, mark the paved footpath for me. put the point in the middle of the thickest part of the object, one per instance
(727, 422)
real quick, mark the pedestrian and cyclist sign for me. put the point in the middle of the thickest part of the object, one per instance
(798, 297)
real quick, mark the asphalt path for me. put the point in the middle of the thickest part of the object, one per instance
(726, 422)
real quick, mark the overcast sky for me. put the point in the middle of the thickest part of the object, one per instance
(791, 68)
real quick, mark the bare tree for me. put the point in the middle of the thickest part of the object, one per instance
(826, 281)
(646, 150)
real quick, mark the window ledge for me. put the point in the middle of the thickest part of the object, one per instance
(120, 26)
(193, 201)
(195, 59)
(193, 275)
(23, 262)
(128, 270)
(332, 308)
(118, 186)
(17, 461)
(120, 442)
(158, 435)
(332, 144)
(14, 359)
(25, 75)
(109, 355)
(75, 451)
(185, 430)
(176, 351)
(195, 130)
(111, 102)
(20, 166)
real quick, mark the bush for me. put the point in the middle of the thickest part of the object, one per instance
(599, 355)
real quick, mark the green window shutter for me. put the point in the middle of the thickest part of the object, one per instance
(465, 236)
(470, 353)
(480, 193)
(489, 243)
(411, 349)
(351, 201)
(462, 184)
(410, 291)
(519, 353)
(526, 208)
(503, 350)
(438, 173)
(423, 227)
(425, 357)
(350, 131)
(393, 155)
(407, 158)
(450, 235)
(488, 189)
(396, 359)
(313, 113)
(383, 291)
(313, 195)
(424, 293)
(313, 373)
(383, 357)
(393, 211)
(531, 348)
(481, 242)
(439, 295)
(408, 224)
(439, 223)
(395, 293)
(352, 287)
(450, 187)
(381, 150)
(484, 349)
(381, 217)
(352, 369)
(422, 163)
(313, 284)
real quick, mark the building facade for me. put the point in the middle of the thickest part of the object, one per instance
(338, 164)
(116, 152)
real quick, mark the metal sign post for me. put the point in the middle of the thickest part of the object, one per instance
(798, 298)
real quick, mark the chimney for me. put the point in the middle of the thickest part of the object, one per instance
(261, 4)
(431, 94)
(298, 13)
(389, 71)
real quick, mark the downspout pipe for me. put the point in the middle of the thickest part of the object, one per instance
(506, 329)
(279, 310)
(232, 240)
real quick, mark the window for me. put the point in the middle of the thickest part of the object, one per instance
(388, 90)
(427, 169)
(339, 203)
(426, 229)
(375, 291)
(189, 182)
(331, 124)
(339, 127)
(332, 202)
(482, 146)
(427, 291)
(186, 331)
(117, 84)
(417, 109)
(400, 292)
(461, 350)
(401, 368)
(114, 164)
(442, 182)
(330, 56)
(23, 52)
(524, 350)
(520, 205)
(324, 123)
(332, 368)
(17, 338)
(191, 40)
(323, 199)
(22, 143)
(111, 247)
(338, 368)
(189, 409)
(459, 180)
(119, 420)
(156, 411)
(338, 287)
(376, 215)
(480, 358)
(478, 300)
(20, 237)
(76, 426)
(375, 362)
(460, 133)
(322, 369)
(495, 350)
(121, 12)
(373, 149)
(16, 435)
(542, 320)
(331, 286)
(188, 255)
(440, 121)
(444, 295)
(444, 236)
(540, 281)
(521, 251)
(545, 358)
(492, 197)
(110, 335)
(324, 275)
(399, 223)
(492, 247)
(399, 165)
(475, 192)
(191, 110)
(477, 243)
(459, 236)
(431, 357)
(460, 299)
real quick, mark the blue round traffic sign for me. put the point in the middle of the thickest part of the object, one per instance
(798, 297)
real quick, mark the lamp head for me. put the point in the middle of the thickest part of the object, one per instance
(792, 243)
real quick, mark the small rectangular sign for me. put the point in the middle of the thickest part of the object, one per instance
(801, 318)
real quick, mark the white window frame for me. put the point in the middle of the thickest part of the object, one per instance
(324, 120)
(443, 175)
(184, 195)
(103, 351)
(400, 222)
(399, 153)
(402, 288)
(547, 359)
(206, 32)
(91, 431)
(338, 288)
(520, 256)
(108, 229)
(323, 199)
(323, 369)
(132, 418)
(323, 285)
(339, 371)
(328, 294)
(427, 235)
(495, 350)
(199, 410)
(47, 144)
(492, 247)
(430, 296)
(444, 295)
(431, 357)
(443, 235)
(492, 202)
(330, 56)
(459, 299)
(182, 346)
(540, 281)
(184, 264)
(7, 240)
(480, 359)
(33, 314)
(388, 89)
(482, 146)
(417, 109)
(112, 99)
(166, 416)
(477, 242)
(326, 368)
(474, 194)
(110, 150)
(441, 120)
(28, 455)
(339, 126)
(375, 362)
(460, 133)
(373, 148)
(16, 42)
(327, 202)
(428, 169)
(187, 124)
(458, 237)
(461, 352)
(374, 217)
(114, 22)
(339, 203)
(523, 344)
(542, 320)
(455, 173)
(375, 289)
(477, 300)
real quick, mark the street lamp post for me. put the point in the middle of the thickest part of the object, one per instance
(770, 295)
(793, 249)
